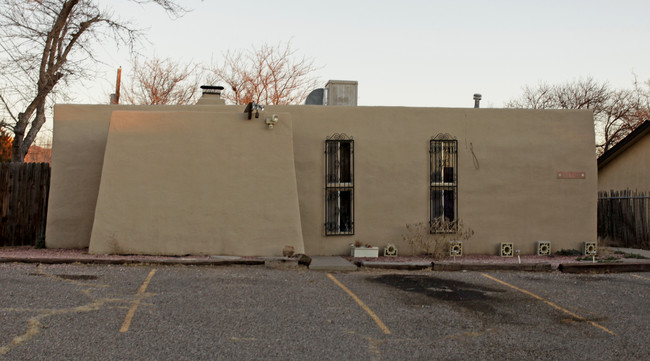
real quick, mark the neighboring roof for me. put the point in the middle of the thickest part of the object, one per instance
(625, 143)
(37, 154)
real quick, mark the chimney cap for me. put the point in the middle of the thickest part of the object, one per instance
(211, 95)
(211, 89)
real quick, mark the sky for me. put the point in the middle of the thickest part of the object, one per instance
(405, 52)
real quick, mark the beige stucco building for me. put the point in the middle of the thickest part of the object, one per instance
(205, 179)
(627, 164)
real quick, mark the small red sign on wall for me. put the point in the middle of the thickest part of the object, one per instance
(571, 175)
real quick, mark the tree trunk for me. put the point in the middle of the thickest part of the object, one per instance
(17, 154)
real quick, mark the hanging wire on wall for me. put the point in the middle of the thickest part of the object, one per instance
(475, 160)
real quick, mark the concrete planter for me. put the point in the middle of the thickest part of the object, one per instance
(364, 251)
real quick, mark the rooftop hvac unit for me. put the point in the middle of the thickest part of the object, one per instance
(316, 97)
(342, 92)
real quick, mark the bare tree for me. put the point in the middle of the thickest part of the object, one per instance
(162, 81)
(616, 112)
(46, 43)
(643, 91)
(266, 75)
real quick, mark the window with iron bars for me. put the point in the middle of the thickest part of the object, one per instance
(339, 185)
(443, 151)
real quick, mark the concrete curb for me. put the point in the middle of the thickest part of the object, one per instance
(529, 267)
(604, 267)
(450, 267)
(188, 262)
(394, 265)
(331, 264)
(282, 263)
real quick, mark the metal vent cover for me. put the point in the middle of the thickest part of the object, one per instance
(455, 248)
(543, 248)
(506, 249)
(390, 250)
(589, 249)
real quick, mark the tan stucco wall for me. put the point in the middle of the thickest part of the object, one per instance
(513, 196)
(629, 170)
(78, 144)
(193, 182)
(78, 152)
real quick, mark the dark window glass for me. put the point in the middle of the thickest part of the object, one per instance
(339, 187)
(444, 184)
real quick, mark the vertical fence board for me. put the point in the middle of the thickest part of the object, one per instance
(24, 190)
(623, 218)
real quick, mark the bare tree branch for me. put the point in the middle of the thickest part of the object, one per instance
(616, 112)
(266, 75)
(47, 42)
(173, 9)
(8, 109)
(162, 81)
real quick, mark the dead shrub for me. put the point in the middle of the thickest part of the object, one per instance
(433, 240)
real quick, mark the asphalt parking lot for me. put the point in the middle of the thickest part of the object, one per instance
(99, 312)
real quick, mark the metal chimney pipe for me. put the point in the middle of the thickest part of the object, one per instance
(477, 100)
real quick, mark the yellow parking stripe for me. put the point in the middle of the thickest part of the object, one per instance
(363, 305)
(578, 317)
(641, 277)
(129, 316)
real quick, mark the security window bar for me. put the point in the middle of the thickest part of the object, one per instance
(443, 184)
(339, 186)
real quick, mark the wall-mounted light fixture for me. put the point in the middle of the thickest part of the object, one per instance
(272, 120)
(253, 106)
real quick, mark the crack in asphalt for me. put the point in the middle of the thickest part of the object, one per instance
(35, 324)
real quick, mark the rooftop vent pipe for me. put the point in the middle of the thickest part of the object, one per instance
(477, 100)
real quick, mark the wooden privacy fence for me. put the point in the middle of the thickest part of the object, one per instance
(24, 188)
(624, 218)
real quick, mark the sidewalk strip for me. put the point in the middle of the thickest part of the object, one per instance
(129, 316)
(578, 317)
(641, 277)
(363, 305)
